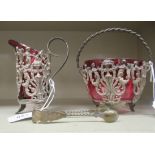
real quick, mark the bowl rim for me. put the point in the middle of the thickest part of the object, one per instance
(101, 59)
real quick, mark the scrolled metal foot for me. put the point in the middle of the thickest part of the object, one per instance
(132, 107)
(21, 108)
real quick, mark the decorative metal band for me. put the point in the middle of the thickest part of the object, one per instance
(109, 30)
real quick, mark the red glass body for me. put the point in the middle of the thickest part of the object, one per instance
(128, 94)
(29, 64)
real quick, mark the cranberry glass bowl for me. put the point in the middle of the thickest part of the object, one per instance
(116, 80)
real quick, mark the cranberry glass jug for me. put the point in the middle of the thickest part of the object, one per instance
(34, 78)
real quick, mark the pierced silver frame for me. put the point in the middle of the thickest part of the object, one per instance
(110, 81)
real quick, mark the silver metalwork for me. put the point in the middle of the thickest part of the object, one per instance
(110, 79)
(110, 82)
(34, 76)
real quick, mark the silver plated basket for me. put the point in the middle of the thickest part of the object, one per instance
(111, 81)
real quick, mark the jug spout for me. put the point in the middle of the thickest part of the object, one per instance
(13, 43)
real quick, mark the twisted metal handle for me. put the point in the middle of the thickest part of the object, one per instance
(53, 54)
(109, 30)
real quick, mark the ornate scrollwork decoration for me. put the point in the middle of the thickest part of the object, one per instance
(33, 70)
(110, 79)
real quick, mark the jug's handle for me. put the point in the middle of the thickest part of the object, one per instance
(53, 54)
(51, 82)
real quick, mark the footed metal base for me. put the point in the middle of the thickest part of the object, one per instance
(21, 108)
(24, 108)
(132, 107)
